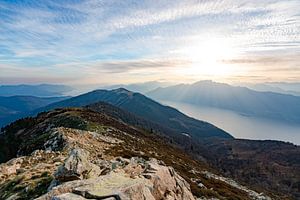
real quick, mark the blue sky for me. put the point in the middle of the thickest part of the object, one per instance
(109, 42)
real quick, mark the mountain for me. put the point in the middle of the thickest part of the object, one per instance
(131, 119)
(42, 90)
(276, 87)
(141, 87)
(146, 108)
(288, 86)
(238, 99)
(14, 107)
(78, 153)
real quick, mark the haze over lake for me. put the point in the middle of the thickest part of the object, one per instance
(241, 126)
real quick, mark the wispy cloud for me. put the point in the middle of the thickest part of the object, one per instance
(83, 37)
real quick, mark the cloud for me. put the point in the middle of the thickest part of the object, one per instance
(125, 66)
(74, 38)
(266, 60)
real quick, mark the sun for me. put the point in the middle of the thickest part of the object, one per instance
(207, 56)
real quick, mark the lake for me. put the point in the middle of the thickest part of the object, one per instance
(241, 126)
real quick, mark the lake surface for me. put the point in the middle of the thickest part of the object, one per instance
(241, 126)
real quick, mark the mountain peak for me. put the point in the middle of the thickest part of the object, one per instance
(122, 90)
(208, 83)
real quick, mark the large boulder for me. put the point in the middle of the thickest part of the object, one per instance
(76, 167)
(166, 183)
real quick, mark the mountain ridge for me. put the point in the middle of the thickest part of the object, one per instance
(235, 98)
(145, 107)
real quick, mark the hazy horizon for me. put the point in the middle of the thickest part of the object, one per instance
(288, 88)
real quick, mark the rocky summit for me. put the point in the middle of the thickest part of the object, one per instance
(77, 153)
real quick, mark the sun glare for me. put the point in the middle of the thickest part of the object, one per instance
(207, 55)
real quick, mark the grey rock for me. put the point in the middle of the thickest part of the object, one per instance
(129, 182)
(68, 196)
(76, 167)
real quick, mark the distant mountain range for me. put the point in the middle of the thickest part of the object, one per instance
(141, 87)
(145, 107)
(42, 90)
(242, 100)
(14, 107)
(278, 87)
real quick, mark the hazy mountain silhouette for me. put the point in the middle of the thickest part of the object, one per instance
(141, 87)
(14, 107)
(239, 99)
(283, 88)
(42, 90)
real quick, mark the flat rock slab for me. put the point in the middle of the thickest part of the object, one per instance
(118, 184)
(68, 196)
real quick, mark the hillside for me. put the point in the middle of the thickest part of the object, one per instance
(14, 107)
(146, 108)
(241, 100)
(82, 154)
(272, 165)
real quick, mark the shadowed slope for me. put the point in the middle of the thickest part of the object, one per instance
(146, 108)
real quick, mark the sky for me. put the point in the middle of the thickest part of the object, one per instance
(114, 41)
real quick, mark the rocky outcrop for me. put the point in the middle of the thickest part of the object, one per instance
(11, 167)
(128, 179)
(76, 167)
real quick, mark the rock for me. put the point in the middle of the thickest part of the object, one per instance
(102, 163)
(124, 161)
(76, 167)
(68, 196)
(198, 182)
(127, 182)
(13, 166)
(115, 184)
(52, 184)
(166, 182)
(201, 185)
(20, 171)
(57, 159)
(55, 140)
